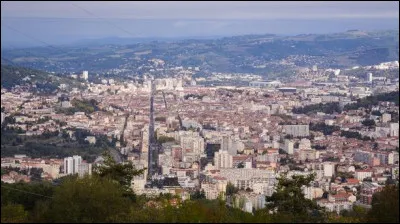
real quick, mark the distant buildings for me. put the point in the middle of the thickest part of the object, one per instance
(367, 191)
(337, 203)
(214, 188)
(265, 84)
(362, 174)
(297, 130)
(246, 178)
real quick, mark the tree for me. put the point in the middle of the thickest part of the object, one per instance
(88, 199)
(231, 189)
(119, 172)
(289, 203)
(198, 195)
(376, 113)
(385, 206)
(13, 213)
(16, 193)
(240, 165)
(368, 122)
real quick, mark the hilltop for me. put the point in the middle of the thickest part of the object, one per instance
(44, 81)
(263, 54)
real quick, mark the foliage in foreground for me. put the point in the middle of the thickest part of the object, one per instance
(104, 197)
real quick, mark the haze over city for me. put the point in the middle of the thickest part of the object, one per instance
(67, 22)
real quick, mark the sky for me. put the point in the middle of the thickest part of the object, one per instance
(38, 23)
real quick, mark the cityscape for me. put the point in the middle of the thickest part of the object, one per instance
(195, 136)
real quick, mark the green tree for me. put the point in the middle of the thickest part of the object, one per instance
(385, 206)
(122, 173)
(88, 199)
(240, 165)
(231, 189)
(368, 122)
(13, 213)
(289, 202)
(198, 195)
(17, 193)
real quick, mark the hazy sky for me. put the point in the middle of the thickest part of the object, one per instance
(64, 21)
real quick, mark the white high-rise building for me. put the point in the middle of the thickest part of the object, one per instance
(288, 146)
(223, 160)
(393, 157)
(3, 115)
(194, 143)
(85, 75)
(369, 77)
(71, 164)
(394, 129)
(84, 168)
(329, 169)
(231, 145)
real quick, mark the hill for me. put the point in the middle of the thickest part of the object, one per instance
(44, 81)
(263, 54)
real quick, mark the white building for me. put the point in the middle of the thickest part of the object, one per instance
(386, 117)
(263, 188)
(362, 174)
(393, 158)
(312, 192)
(329, 169)
(85, 75)
(214, 188)
(3, 115)
(288, 147)
(195, 144)
(223, 160)
(394, 129)
(333, 206)
(265, 84)
(232, 145)
(246, 178)
(305, 143)
(297, 130)
(91, 139)
(66, 104)
(84, 168)
(71, 164)
(369, 77)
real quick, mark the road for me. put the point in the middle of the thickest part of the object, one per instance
(152, 142)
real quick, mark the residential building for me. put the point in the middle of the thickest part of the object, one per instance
(71, 164)
(297, 130)
(222, 159)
